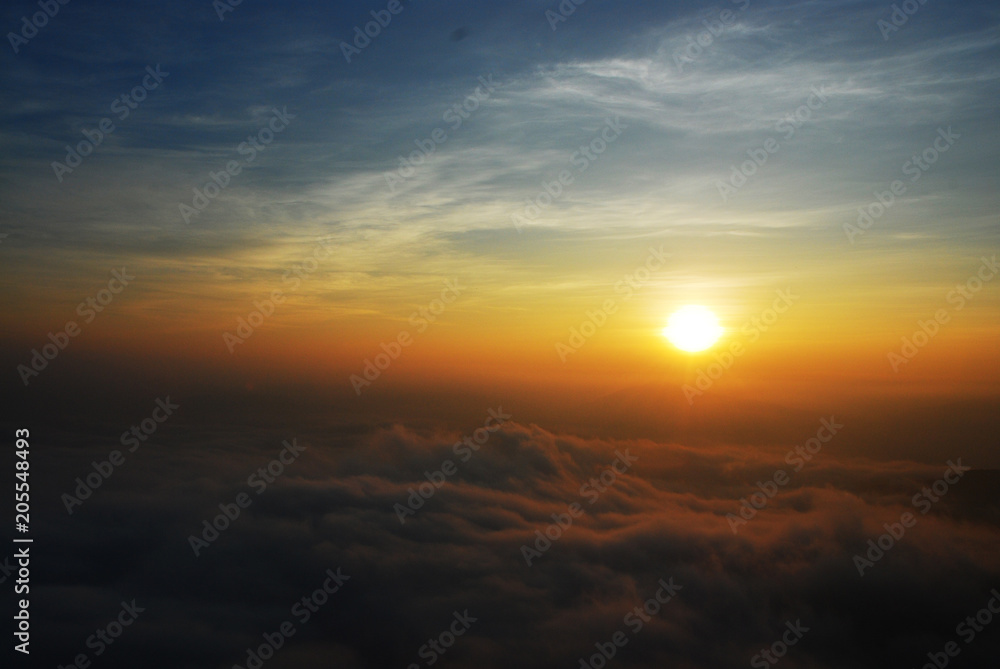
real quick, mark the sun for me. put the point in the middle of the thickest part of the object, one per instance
(692, 328)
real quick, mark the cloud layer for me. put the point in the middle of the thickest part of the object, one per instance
(664, 517)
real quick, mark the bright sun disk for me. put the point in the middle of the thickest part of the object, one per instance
(692, 328)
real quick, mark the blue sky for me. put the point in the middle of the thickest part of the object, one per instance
(325, 174)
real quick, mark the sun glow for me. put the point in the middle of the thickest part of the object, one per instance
(692, 328)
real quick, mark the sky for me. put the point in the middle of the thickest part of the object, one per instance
(289, 225)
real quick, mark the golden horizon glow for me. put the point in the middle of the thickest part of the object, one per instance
(693, 328)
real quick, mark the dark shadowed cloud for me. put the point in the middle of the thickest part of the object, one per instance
(666, 517)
